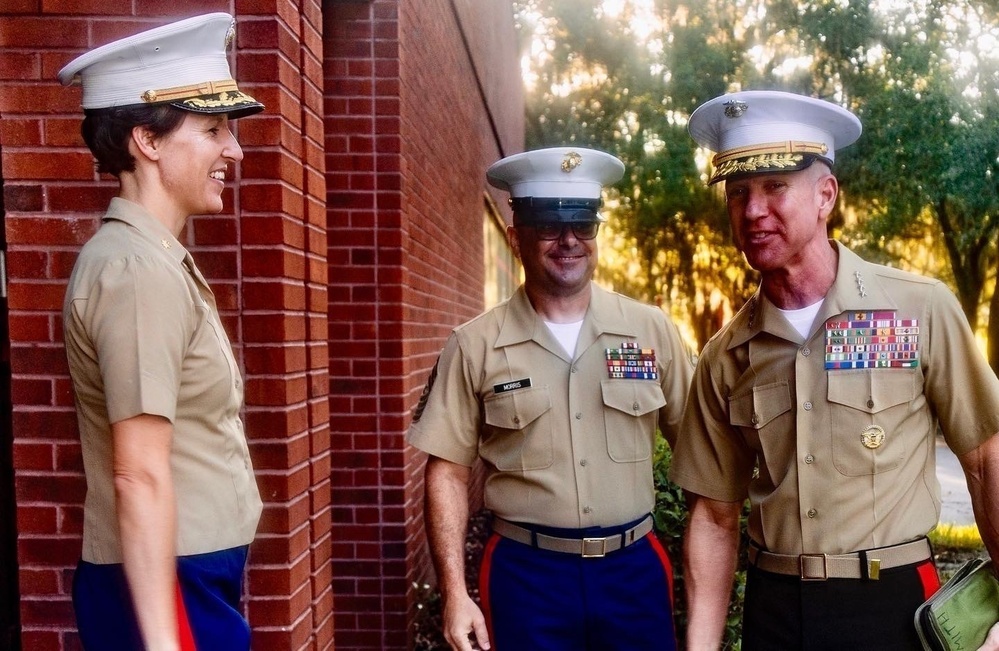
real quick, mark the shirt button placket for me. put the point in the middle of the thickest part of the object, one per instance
(578, 441)
(807, 381)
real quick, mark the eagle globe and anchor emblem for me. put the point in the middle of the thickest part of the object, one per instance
(873, 437)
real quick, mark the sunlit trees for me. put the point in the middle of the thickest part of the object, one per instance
(601, 75)
(923, 78)
(623, 75)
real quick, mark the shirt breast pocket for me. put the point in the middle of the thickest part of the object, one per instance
(631, 409)
(870, 415)
(518, 433)
(757, 414)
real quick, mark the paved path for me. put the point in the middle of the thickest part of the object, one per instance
(956, 508)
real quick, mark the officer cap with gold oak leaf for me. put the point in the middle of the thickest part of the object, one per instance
(183, 64)
(766, 131)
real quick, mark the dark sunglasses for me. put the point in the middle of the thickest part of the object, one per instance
(551, 216)
(556, 230)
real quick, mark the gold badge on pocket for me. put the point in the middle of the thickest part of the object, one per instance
(873, 437)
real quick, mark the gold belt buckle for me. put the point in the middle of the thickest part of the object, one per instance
(588, 542)
(802, 558)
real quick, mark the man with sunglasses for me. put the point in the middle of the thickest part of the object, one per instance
(559, 391)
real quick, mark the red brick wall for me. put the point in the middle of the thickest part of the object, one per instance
(418, 105)
(363, 163)
(350, 244)
(284, 326)
(265, 256)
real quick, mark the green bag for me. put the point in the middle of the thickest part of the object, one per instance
(960, 614)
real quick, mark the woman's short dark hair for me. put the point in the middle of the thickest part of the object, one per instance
(107, 131)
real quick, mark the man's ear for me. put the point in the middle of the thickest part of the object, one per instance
(826, 192)
(514, 239)
(142, 142)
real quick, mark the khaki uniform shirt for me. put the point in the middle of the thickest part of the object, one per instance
(564, 443)
(840, 459)
(143, 336)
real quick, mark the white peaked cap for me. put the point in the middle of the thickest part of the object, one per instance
(183, 63)
(766, 131)
(556, 172)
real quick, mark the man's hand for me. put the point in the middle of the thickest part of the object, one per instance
(991, 642)
(461, 618)
(446, 518)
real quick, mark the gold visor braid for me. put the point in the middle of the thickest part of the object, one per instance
(191, 91)
(786, 147)
(773, 156)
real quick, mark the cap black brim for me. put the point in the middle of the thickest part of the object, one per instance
(235, 104)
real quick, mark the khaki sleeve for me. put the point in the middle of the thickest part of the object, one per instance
(710, 457)
(960, 385)
(447, 420)
(675, 379)
(137, 316)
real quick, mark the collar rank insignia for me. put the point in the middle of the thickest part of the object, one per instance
(861, 288)
(631, 362)
(875, 339)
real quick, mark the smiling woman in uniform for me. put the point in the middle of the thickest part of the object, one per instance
(171, 503)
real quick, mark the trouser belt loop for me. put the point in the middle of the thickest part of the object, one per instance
(870, 568)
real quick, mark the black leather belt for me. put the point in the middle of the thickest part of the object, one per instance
(585, 547)
(857, 565)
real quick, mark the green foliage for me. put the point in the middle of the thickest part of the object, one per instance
(428, 623)
(670, 515)
(957, 537)
(923, 77)
(602, 85)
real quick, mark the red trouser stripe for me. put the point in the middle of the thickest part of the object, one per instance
(484, 573)
(667, 565)
(183, 624)
(929, 578)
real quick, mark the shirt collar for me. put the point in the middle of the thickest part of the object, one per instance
(603, 316)
(857, 288)
(148, 226)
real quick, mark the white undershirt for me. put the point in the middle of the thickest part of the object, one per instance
(802, 320)
(567, 334)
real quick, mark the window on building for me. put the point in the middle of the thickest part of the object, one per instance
(503, 270)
